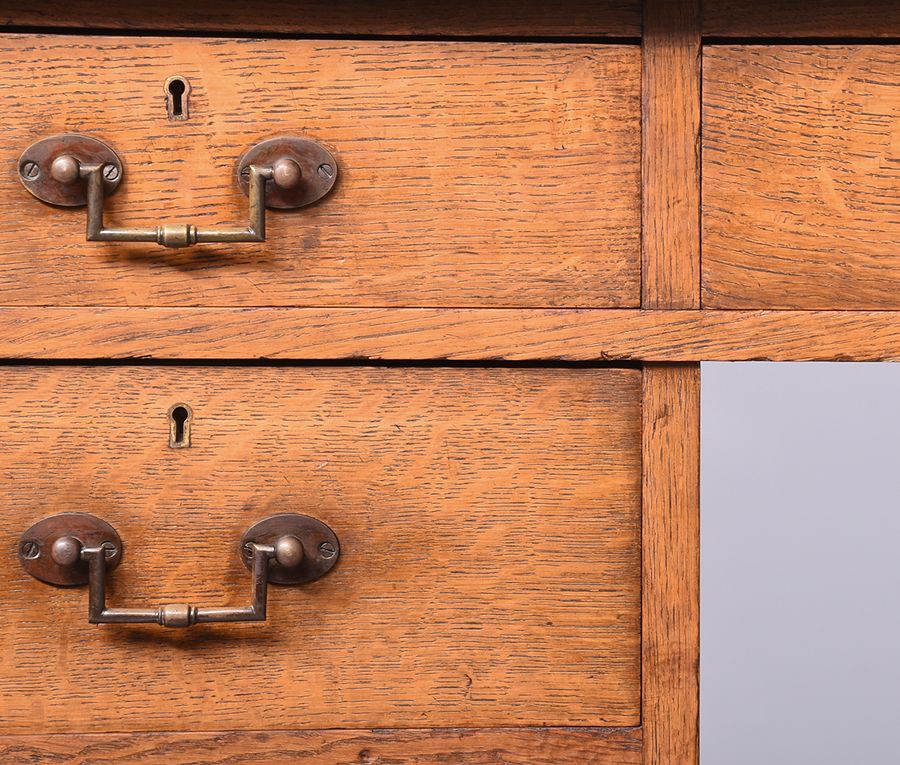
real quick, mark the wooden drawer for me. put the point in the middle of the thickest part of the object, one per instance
(490, 565)
(469, 173)
(801, 176)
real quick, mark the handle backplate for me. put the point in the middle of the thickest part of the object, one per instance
(318, 170)
(72, 549)
(41, 555)
(36, 163)
(321, 547)
(71, 170)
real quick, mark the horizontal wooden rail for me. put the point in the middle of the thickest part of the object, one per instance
(410, 334)
(516, 746)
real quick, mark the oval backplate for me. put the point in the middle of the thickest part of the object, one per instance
(34, 168)
(318, 170)
(35, 544)
(321, 548)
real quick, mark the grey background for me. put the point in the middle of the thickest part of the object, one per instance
(800, 564)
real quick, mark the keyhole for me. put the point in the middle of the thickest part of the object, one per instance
(180, 426)
(177, 90)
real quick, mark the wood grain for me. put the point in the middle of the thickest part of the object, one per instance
(501, 174)
(416, 334)
(671, 154)
(506, 746)
(801, 177)
(671, 565)
(490, 529)
(801, 18)
(579, 18)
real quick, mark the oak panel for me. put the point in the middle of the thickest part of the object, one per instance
(490, 529)
(476, 334)
(801, 18)
(510, 746)
(579, 18)
(801, 177)
(471, 173)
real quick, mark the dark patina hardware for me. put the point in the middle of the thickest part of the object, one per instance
(72, 549)
(73, 170)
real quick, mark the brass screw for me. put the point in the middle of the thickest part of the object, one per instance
(327, 550)
(326, 170)
(30, 549)
(31, 170)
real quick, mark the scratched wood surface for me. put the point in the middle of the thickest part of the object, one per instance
(801, 18)
(801, 177)
(471, 173)
(475, 334)
(497, 746)
(490, 529)
(579, 18)
(671, 569)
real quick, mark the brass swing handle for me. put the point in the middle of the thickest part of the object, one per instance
(180, 614)
(178, 234)
(72, 170)
(74, 548)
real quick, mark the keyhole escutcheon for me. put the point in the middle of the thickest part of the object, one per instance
(177, 91)
(180, 426)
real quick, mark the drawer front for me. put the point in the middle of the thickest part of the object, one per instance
(801, 177)
(469, 173)
(489, 522)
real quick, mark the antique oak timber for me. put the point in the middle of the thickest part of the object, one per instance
(350, 358)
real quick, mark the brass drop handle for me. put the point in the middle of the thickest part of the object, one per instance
(172, 234)
(73, 170)
(74, 548)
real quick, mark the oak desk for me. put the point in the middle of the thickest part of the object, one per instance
(451, 346)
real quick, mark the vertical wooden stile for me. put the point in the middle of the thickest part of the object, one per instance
(671, 393)
(670, 155)
(671, 564)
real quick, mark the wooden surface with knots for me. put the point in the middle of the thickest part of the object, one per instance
(801, 176)
(498, 746)
(578, 18)
(489, 522)
(419, 334)
(471, 173)
(670, 154)
(671, 565)
(801, 18)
